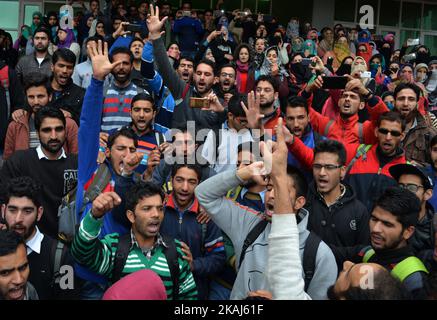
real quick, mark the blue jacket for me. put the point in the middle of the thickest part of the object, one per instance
(205, 241)
(432, 173)
(88, 140)
(190, 32)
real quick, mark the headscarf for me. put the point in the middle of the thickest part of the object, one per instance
(341, 51)
(34, 26)
(68, 40)
(311, 46)
(362, 39)
(344, 68)
(141, 285)
(297, 45)
(265, 68)
(293, 29)
(375, 49)
(365, 55)
(83, 28)
(359, 65)
(420, 66)
(373, 68)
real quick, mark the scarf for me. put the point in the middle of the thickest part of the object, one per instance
(68, 40)
(34, 26)
(341, 51)
(266, 66)
(311, 46)
(365, 55)
(292, 29)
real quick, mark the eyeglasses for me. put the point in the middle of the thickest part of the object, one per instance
(328, 167)
(392, 132)
(226, 75)
(410, 186)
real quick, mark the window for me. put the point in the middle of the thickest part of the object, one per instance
(430, 17)
(389, 13)
(251, 4)
(29, 9)
(408, 34)
(10, 13)
(411, 14)
(373, 4)
(344, 10)
(431, 43)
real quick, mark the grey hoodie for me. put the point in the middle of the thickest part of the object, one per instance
(237, 221)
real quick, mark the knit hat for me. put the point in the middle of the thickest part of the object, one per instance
(420, 66)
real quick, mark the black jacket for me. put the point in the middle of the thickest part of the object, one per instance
(71, 100)
(422, 241)
(16, 99)
(344, 224)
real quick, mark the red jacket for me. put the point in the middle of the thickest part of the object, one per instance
(346, 131)
(17, 137)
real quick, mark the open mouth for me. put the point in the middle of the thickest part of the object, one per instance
(322, 183)
(376, 240)
(16, 293)
(153, 227)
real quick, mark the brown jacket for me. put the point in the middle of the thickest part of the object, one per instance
(416, 142)
(17, 137)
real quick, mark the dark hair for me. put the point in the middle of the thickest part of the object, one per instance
(36, 79)
(125, 131)
(237, 52)
(207, 62)
(64, 54)
(182, 57)
(392, 116)
(144, 97)
(94, 38)
(411, 86)
(433, 141)
(401, 203)
(298, 102)
(300, 182)
(386, 287)
(142, 190)
(9, 242)
(136, 39)
(234, 105)
(182, 130)
(123, 50)
(269, 79)
(48, 112)
(227, 65)
(117, 17)
(43, 28)
(332, 146)
(196, 168)
(24, 187)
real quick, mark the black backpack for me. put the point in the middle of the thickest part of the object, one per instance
(171, 254)
(309, 253)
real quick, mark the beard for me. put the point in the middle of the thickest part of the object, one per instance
(52, 148)
(27, 232)
(266, 105)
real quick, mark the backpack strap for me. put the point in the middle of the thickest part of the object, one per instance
(407, 267)
(360, 133)
(368, 255)
(328, 126)
(361, 152)
(121, 254)
(58, 253)
(171, 255)
(251, 237)
(309, 257)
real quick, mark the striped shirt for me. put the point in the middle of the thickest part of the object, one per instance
(117, 105)
(99, 256)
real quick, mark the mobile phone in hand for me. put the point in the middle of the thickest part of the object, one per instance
(199, 103)
(334, 82)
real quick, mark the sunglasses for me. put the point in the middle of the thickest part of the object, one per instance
(392, 132)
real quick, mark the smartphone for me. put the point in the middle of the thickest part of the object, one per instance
(199, 103)
(306, 61)
(366, 74)
(329, 61)
(133, 28)
(334, 82)
(243, 13)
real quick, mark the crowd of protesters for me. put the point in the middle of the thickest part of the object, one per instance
(178, 154)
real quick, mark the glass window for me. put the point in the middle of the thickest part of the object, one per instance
(28, 12)
(411, 14)
(408, 34)
(389, 13)
(264, 6)
(10, 13)
(14, 34)
(430, 17)
(251, 4)
(431, 43)
(229, 5)
(201, 4)
(344, 10)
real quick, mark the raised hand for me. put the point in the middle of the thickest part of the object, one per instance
(104, 203)
(154, 24)
(277, 151)
(188, 256)
(214, 104)
(314, 85)
(356, 85)
(100, 60)
(253, 111)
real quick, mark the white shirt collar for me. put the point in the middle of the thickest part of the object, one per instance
(34, 244)
(41, 154)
